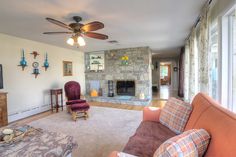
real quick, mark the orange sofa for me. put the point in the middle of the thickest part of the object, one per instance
(208, 114)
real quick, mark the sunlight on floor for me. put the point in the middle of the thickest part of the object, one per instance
(165, 93)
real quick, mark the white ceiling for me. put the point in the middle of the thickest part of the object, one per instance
(167, 53)
(160, 24)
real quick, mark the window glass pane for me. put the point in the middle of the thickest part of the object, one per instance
(234, 62)
(213, 62)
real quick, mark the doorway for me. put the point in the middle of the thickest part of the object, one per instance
(165, 78)
(165, 74)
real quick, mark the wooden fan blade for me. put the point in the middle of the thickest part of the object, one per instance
(96, 35)
(59, 23)
(57, 32)
(92, 26)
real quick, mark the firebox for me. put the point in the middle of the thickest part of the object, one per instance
(125, 87)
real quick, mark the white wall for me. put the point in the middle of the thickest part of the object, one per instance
(24, 91)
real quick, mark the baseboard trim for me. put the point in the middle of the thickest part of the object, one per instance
(27, 113)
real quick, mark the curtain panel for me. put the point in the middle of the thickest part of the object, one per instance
(196, 58)
(186, 72)
(192, 84)
(181, 73)
(203, 52)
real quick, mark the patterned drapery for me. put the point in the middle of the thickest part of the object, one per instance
(181, 73)
(203, 52)
(196, 58)
(192, 87)
(186, 71)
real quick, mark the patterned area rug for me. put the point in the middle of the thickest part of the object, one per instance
(106, 130)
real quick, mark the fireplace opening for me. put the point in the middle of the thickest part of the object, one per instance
(126, 88)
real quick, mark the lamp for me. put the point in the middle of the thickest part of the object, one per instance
(76, 39)
(70, 41)
(80, 41)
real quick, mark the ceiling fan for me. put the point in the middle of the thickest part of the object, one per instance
(79, 30)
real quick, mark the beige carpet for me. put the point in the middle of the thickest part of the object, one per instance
(107, 129)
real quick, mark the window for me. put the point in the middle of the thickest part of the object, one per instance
(213, 61)
(164, 71)
(232, 44)
(229, 60)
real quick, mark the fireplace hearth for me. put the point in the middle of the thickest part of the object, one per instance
(125, 88)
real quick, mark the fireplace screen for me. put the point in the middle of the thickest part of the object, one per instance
(125, 88)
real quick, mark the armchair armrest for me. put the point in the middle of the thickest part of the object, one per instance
(151, 114)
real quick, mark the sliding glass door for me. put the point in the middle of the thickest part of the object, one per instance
(229, 61)
(213, 62)
(233, 56)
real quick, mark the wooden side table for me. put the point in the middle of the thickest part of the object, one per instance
(56, 93)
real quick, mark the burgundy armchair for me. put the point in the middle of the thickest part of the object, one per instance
(75, 105)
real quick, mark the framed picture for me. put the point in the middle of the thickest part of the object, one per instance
(67, 68)
(1, 77)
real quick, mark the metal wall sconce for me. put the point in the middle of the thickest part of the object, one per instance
(175, 69)
(23, 62)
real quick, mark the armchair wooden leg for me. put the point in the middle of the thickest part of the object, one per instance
(68, 109)
(86, 115)
(74, 116)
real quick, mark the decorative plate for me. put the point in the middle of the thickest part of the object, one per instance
(35, 65)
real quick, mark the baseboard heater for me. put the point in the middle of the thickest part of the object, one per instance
(26, 113)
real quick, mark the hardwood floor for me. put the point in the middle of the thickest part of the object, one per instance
(164, 93)
(154, 103)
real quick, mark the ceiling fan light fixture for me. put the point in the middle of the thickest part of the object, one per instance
(79, 30)
(80, 41)
(70, 41)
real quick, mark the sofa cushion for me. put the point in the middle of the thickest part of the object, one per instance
(189, 144)
(148, 137)
(175, 114)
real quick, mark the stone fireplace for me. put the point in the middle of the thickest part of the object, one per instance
(131, 79)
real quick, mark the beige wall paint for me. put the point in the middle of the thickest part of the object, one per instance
(24, 91)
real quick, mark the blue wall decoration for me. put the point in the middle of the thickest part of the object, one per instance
(46, 64)
(36, 69)
(23, 62)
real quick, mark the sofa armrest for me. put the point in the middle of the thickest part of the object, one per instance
(120, 154)
(151, 114)
(114, 154)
